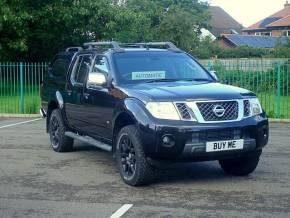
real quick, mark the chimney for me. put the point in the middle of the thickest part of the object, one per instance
(287, 4)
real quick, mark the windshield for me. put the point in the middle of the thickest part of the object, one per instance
(136, 67)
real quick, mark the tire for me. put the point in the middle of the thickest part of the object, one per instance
(242, 166)
(59, 142)
(131, 160)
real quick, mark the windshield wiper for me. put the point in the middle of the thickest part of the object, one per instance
(161, 80)
(174, 80)
(199, 80)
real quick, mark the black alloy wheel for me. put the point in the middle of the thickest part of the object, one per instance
(59, 141)
(55, 132)
(128, 156)
(135, 170)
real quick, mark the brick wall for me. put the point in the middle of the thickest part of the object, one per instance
(277, 32)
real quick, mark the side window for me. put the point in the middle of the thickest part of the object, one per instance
(82, 68)
(101, 66)
(60, 66)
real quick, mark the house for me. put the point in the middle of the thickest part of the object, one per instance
(221, 23)
(277, 24)
(235, 40)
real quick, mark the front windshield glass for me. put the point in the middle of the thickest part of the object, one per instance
(137, 67)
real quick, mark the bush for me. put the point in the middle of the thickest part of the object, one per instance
(207, 49)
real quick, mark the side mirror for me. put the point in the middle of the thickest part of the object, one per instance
(213, 73)
(96, 79)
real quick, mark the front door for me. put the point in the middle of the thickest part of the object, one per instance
(74, 93)
(99, 103)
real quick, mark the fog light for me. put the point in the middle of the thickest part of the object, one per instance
(168, 141)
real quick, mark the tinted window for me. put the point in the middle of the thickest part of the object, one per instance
(82, 68)
(134, 67)
(60, 66)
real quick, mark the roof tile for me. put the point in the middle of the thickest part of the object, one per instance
(222, 22)
(255, 41)
(282, 22)
(285, 12)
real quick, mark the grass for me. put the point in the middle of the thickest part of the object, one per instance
(270, 105)
(10, 99)
(11, 104)
(264, 84)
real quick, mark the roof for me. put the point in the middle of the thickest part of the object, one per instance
(221, 22)
(113, 46)
(278, 17)
(255, 41)
(282, 22)
(106, 51)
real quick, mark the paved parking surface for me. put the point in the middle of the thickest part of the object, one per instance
(37, 182)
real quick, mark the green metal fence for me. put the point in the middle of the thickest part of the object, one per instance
(20, 87)
(270, 81)
(20, 84)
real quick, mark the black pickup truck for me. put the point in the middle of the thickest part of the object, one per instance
(149, 103)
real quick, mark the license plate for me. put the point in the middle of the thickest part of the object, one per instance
(225, 145)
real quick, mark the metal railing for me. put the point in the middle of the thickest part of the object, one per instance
(20, 87)
(20, 84)
(269, 80)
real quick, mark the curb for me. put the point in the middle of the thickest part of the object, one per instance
(279, 120)
(20, 115)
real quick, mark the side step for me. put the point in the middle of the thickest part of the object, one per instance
(90, 141)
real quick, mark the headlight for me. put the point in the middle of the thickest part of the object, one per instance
(163, 110)
(256, 107)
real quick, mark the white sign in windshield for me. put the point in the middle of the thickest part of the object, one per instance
(148, 75)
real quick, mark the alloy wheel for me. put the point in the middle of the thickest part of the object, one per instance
(55, 132)
(127, 156)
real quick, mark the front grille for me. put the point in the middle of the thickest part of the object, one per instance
(246, 108)
(219, 135)
(183, 111)
(231, 110)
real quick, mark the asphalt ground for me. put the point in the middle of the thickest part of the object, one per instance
(37, 182)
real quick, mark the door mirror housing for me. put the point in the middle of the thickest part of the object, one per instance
(97, 79)
(213, 74)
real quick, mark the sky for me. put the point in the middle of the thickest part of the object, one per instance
(248, 12)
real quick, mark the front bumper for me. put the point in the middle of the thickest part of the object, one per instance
(190, 138)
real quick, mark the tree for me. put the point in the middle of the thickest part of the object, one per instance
(13, 28)
(178, 21)
(35, 30)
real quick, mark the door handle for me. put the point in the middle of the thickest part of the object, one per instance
(86, 95)
(69, 93)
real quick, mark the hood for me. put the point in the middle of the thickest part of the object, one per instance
(182, 91)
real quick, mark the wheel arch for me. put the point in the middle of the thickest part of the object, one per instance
(52, 105)
(56, 102)
(130, 112)
(124, 118)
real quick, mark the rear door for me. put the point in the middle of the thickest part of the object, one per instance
(74, 93)
(55, 79)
